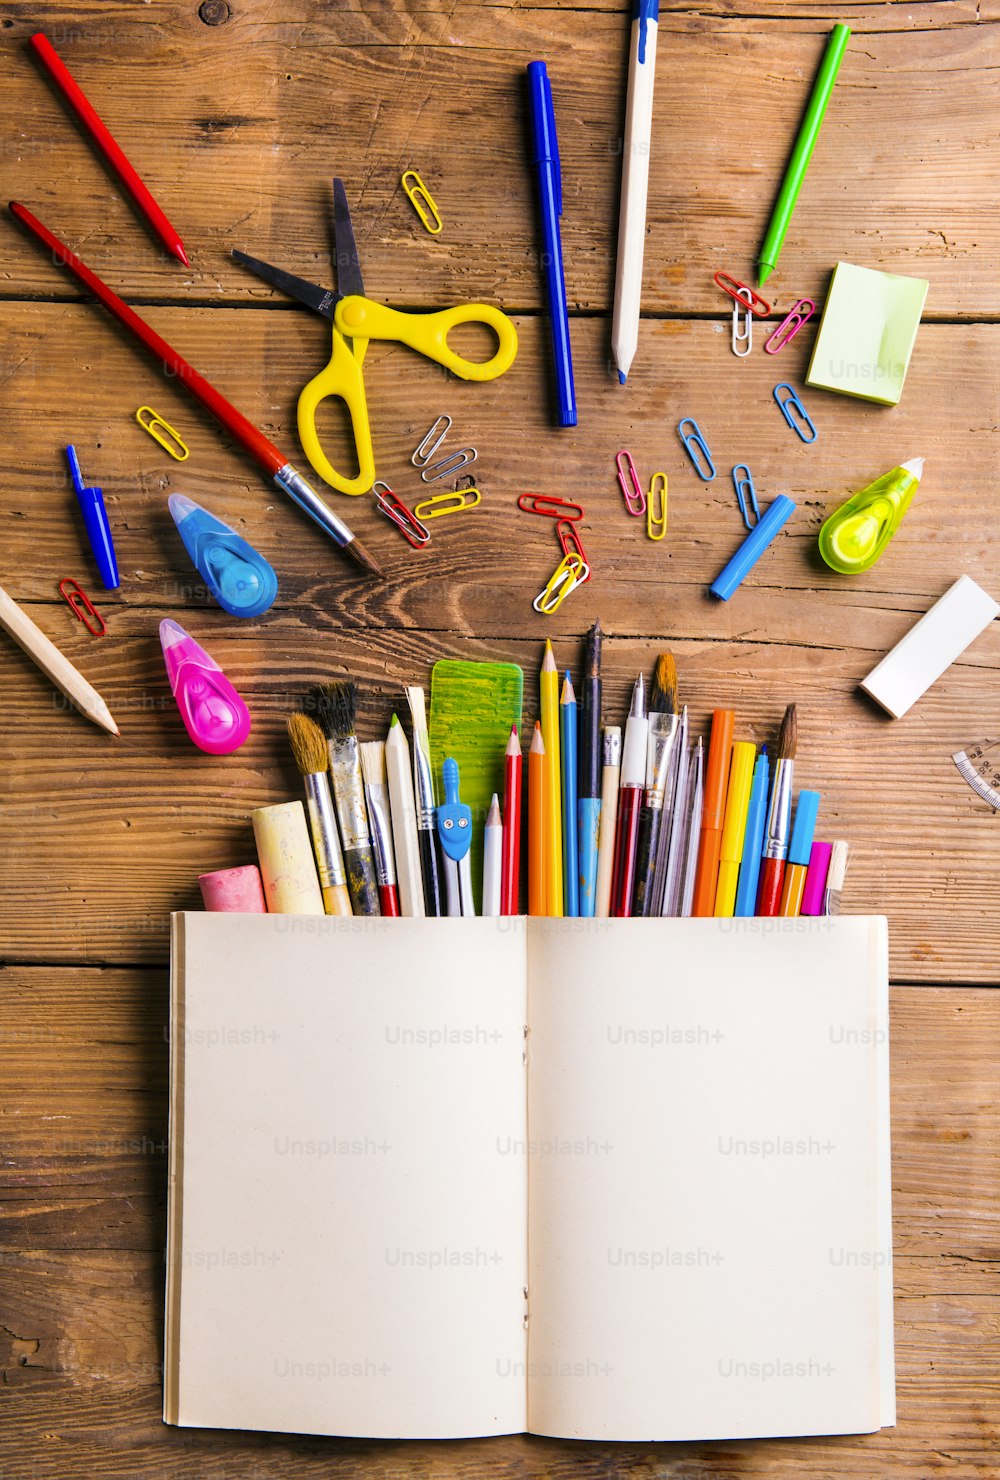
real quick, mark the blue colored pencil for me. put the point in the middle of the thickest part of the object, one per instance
(567, 745)
(753, 839)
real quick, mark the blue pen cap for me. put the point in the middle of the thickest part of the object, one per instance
(803, 827)
(778, 514)
(541, 114)
(237, 575)
(95, 522)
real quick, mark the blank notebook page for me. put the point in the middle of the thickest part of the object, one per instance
(708, 1193)
(347, 1248)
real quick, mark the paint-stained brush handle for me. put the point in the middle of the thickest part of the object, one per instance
(362, 882)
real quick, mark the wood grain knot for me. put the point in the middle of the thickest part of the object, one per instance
(214, 12)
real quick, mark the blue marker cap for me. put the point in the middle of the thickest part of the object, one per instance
(238, 576)
(95, 522)
(803, 827)
(753, 547)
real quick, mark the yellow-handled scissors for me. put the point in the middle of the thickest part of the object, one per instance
(357, 319)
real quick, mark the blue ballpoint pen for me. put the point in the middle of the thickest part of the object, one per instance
(567, 742)
(545, 158)
(753, 839)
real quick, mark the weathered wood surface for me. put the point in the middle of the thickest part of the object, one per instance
(83, 1083)
(237, 116)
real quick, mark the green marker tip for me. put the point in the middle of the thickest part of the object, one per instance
(764, 270)
(394, 721)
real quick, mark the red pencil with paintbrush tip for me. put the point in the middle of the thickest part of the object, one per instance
(779, 819)
(510, 856)
(106, 145)
(630, 794)
(259, 447)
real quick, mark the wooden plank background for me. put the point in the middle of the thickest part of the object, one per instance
(238, 114)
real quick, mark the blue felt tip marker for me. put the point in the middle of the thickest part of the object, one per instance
(753, 840)
(545, 158)
(778, 514)
(95, 522)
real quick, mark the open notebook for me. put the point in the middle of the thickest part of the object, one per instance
(592, 1179)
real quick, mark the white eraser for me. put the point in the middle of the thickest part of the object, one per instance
(920, 658)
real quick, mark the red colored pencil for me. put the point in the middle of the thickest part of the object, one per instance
(779, 818)
(105, 144)
(510, 858)
(259, 447)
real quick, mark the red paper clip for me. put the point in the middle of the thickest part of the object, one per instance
(570, 542)
(754, 302)
(635, 498)
(790, 325)
(559, 508)
(76, 598)
(392, 506)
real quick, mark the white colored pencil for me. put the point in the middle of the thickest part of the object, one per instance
(57, 668)
(403, 810)
(492, 858)
(635, 182)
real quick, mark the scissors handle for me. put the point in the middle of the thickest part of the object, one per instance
(427, 333)
(342, 379)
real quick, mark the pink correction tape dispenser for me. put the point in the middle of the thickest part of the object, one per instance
(214, 715)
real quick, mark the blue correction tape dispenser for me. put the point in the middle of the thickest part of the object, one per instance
(238, 577)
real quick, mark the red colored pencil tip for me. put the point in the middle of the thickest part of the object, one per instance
(180, 252)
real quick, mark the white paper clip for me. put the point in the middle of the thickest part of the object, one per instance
(450, 464)
(430, 444)
(571, 572)
(742, 337)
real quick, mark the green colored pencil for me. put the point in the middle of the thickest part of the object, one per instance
(802, 153)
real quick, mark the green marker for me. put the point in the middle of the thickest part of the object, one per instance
(802, 153)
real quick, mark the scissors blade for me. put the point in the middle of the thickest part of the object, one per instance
(321, 300)
(345, 247)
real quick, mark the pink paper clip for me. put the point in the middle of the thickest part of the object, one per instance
(790, 326)
(754, 302)
(555, 508)
(635, 498)
(392, 506)
(81, 605)
(570, 542)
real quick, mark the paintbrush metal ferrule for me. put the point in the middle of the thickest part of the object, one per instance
(779, 815)
(378, 816)
(348, 791)
(424, 780)
(291, 481)
(323, 826)
(659, 748)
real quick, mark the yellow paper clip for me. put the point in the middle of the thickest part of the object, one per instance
(419, 196)
(152, 427)
(571, 572)
(656, 507)
(448, 503)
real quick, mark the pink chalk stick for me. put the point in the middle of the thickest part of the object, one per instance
(234, 890)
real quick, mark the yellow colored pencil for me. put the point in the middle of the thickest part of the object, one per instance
(548, 684)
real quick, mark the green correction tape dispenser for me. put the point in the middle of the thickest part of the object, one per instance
(854, 537)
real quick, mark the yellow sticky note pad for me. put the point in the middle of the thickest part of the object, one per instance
(866, 336)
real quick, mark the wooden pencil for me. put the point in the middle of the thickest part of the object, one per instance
(57, 669)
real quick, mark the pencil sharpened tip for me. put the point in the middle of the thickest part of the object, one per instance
(622, 377)
(180, 253)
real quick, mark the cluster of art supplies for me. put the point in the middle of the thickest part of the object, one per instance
(640, 824)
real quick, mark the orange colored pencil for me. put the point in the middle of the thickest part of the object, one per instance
(537, 794)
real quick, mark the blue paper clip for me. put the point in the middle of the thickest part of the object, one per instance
(746, 495)
(695, 444)
(791, 404)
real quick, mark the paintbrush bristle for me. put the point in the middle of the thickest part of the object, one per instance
(308, 744)
(788, 735)
(418, 711)
(663, 699)
(373, 762)
(334, 705)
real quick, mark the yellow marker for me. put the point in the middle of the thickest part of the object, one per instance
(735, 825)
(548, 684)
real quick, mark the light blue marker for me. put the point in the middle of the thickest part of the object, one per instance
(753, 839)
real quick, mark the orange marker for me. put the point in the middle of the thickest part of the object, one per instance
(714, 811)
(536, 824)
